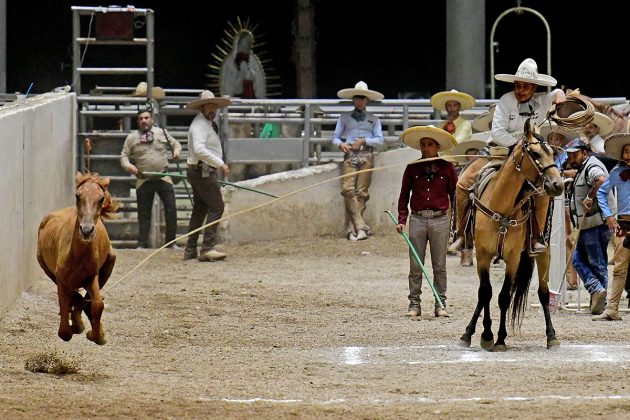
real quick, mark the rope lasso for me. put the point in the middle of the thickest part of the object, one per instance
(380, 168)
(575, 122)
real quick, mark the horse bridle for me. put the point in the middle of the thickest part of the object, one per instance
(539, 181)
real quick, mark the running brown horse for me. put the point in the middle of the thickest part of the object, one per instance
(73, 249)
(500, 230)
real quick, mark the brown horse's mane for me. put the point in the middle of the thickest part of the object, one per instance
(110, 206)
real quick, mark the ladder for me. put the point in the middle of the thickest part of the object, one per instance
(80, 44)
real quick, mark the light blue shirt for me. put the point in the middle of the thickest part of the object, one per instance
(370, 129)
(623, 192)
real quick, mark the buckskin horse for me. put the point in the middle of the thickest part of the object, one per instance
(73, 249)
(500, 229)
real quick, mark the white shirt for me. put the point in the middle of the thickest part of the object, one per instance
(597, 144)
(507, 121)
(204, 143)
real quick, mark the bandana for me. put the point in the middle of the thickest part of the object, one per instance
(625, 175)
(358, 115)
(146, 137)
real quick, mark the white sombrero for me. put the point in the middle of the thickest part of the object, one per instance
(439, 100)
(207, 97)
(142, 88)
(413, 135)
(528, 72)
(604, 123)
(615, 144)
(360, 89)
(464, 147)
(482, 122)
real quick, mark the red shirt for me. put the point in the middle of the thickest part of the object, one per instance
(431, 186)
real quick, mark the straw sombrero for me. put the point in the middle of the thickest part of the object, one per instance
(482, 122)
(413, 135)
(615, 144)
(156, 92)
(207, 97)
(463, 147)
(545, 129)
(604, 123)
(439, 100)
(528, 72)
(360, 89)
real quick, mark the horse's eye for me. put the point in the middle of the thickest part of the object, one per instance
(535, 155)
(77, 196)
(101, 200)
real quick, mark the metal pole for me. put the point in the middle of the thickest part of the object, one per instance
(517, 10)
(76, 51)
(307, 134)
(150, 53)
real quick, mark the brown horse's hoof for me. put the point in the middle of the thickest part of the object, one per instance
(100, 341)
(499, 348)
(486, 344)
(554, 342)
(65, 333)
(77, 325)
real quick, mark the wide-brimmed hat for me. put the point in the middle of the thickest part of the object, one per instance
(463, 147)
(482, 122)
(360, 89)
(614, 144)
(439, 100)
(207, 97)
(604, 123)
(142, 88)
(528, 72)
(546, 128)
(413, 135)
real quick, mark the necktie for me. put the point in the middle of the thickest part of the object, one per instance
(358, 115)
(215, 127)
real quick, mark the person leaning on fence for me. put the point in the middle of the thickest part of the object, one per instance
(205, 158)
(453, 102)
(618, 146)
(146, 150)
(427, 192)
(356, 134)
(590, 258)
(511, 112)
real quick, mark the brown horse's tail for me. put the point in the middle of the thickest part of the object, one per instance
(521, 287)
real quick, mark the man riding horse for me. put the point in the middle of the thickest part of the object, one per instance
(512, 110)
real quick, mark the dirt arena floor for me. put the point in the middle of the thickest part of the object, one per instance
(309, 328)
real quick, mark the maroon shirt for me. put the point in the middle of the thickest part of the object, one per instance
(430, 184)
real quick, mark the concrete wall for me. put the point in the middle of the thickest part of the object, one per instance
(316, 211)
(38, 148)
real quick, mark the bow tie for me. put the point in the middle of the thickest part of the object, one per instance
(625, 175)
(358, 115)
(215, 127)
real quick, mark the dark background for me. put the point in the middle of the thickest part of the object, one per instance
(397, 47)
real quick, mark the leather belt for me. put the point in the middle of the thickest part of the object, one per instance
(429, 213)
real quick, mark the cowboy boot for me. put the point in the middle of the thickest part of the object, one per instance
(466, 258)
(190, 251)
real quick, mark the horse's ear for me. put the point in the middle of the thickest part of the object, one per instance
(105, 181)
(78, 177)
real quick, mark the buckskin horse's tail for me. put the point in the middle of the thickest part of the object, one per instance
(521, 287)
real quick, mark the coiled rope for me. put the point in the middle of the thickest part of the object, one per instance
(577, 120)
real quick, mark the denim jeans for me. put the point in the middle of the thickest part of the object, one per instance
(590, 258)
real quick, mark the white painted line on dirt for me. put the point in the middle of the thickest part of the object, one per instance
(441, 354)
(427, 400)
(353, 356)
